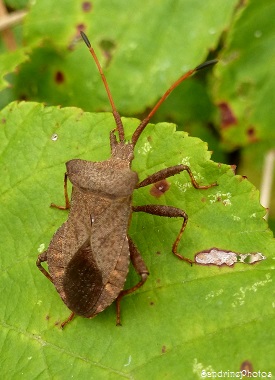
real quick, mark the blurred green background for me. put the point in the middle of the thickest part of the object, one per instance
(143, 49)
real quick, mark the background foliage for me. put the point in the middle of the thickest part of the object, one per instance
(184, 319)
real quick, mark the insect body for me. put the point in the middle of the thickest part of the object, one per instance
(89, 255)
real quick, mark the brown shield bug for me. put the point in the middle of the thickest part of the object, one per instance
(89, 255)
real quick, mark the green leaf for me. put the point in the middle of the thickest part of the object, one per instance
(8, 63)
(184, 319)
(162, 41)
(245, 79)
(244, 89)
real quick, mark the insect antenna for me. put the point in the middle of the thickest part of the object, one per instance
(117, 117)
(144, 122)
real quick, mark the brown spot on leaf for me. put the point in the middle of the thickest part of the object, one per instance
(108, 47)
(86, 6)
(47, 317)
(59, 77)
(159, 188)
(227, 117)
(152, 303)
(246, 366)
(251, 134)
(163, 349)
(23, 97)
(250, 131)
(80, 27)
(3, 121)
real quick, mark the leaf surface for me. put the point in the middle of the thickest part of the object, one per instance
(184, 319)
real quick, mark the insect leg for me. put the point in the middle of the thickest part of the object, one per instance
(170, 212)
(140, 268)
(64, 323)
(67, 201)
(41, 258)
(169, 172)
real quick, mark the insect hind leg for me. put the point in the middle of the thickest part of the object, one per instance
(140, 267)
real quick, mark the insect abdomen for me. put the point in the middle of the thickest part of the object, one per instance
(82, 281)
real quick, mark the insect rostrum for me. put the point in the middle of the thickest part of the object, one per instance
(89, 255)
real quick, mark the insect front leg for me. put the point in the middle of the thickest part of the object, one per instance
(42, 258)
(67, 201)
(169, 172)
(170, 212)
(140, 268)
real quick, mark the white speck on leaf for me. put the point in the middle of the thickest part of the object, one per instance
(213, 294)
(183, 186)
(198, 177)
(129, 361)
(145, 148)
(186, 161)
(220, 197)
(199, 368)
(240, 296)
(41, 248)
(237, 218)
(54, 137)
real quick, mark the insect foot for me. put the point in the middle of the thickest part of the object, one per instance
(89, 255)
